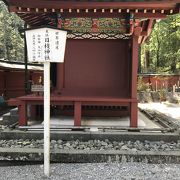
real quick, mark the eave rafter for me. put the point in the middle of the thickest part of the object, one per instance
(41, 19)
(143, 29)
(52, 4)
(144, 13)
(162, 7)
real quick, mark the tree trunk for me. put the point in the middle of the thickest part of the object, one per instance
(173, 65)
(158, 59)
(147, 60)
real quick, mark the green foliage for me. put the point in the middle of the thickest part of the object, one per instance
(11, 42)
(162, 94)
(163, 47)
(141, 86)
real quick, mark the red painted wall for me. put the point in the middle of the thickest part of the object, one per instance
(97, 68)
(12, 82)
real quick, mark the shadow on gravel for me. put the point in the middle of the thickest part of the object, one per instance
(18, 163)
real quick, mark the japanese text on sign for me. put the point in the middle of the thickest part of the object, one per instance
(46, 44)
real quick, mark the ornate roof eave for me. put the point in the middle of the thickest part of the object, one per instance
(67, 9)
(37, 13)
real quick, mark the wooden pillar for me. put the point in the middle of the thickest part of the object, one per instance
(22, 114)
(33, 111)
(26, 75)
(5, 85)
(134, 115)
(77, 114)
(134, 69)
(60, 66)
(60, 76)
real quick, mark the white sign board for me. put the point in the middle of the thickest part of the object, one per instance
(37, 88)
(45, 45)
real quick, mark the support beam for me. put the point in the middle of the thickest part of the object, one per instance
(137, 31)
(134, 69)
(134, 115)
(77, 114)
(150, 26)
(60, 77)
(135, 48)
(148, 30)
(5, 84)
(22, 114)
(26, 74)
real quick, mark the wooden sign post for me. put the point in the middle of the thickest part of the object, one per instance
(46, 45)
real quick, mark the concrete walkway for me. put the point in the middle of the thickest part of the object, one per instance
(59, 121)
(169, 109)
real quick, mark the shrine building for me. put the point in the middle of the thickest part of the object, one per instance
(99, 75)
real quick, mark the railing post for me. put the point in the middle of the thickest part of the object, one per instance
(77, 114)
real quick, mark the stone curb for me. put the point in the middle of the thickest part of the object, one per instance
(92, 156)
(85, 136)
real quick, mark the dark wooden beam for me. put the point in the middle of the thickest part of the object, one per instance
(137, 31)
(148, 30)
(134, 69)
(140, 39)
(92, 5)
(150, 15)
(150, 26)
(145, 12)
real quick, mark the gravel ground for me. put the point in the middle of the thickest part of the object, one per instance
(94, 145)
(102, 171)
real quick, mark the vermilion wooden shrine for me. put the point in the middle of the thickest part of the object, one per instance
(99, 75)
(12, 77)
